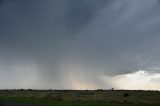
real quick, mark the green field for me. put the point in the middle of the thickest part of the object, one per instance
(81, 98)
(49, 102)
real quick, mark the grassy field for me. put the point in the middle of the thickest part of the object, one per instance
(81, 98)
(49, 102)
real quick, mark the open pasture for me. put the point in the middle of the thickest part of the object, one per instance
(82, 97)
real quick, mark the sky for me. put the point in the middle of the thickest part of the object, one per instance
(80, 44)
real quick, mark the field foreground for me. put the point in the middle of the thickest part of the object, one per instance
(79, 98)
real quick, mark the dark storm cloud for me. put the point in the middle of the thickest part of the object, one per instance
(81, 12)
(40, 32)
(71, 44)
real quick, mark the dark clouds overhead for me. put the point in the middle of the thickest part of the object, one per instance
(54, 42)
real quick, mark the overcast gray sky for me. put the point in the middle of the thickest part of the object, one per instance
(74, 44)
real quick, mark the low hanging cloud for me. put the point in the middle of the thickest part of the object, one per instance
(73, 44)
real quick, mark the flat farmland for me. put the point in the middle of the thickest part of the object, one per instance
(82, 97)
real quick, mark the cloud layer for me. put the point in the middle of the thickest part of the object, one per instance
(140, 80)
(73, 44)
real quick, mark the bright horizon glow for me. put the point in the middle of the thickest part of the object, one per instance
(140, 80)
